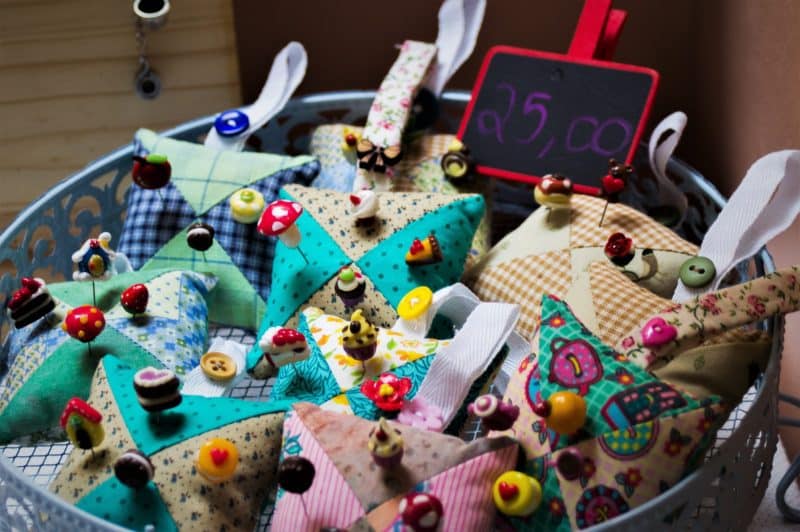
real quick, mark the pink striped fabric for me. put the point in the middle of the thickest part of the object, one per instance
(329, 500)
(465, 490)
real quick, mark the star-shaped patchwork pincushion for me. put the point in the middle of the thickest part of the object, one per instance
(154, 234)
(640, 437)
(46, 367)
(178, 497)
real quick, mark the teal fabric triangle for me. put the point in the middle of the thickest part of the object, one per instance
(618, 394)
(385, 264)
(194, 416)
(309, 380)
(294, 281)
(130, 508)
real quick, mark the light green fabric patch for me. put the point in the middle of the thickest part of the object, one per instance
(230, 170)
(234, 301)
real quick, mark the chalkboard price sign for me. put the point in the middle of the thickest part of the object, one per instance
(535, 113)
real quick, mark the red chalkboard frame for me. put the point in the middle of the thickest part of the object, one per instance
(532, 179)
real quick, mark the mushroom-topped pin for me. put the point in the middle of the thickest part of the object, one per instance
(278, 219)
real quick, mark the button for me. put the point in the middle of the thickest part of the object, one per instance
(697, 272)
(218, 366)
(231, 123)
(415, 303)
(516, 494)
(570, 464)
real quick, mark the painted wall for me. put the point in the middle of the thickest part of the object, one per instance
(66, 83)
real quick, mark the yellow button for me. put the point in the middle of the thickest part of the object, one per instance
(218, 366)
(415, 303)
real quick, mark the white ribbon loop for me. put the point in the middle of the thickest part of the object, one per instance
(659, 154)
(459, 24)
(456, 367)
(764, 205)
(287, 72)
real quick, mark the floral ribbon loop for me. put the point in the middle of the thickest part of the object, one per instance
(375, 159)
(685, 325)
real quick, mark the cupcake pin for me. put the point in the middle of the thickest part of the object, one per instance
(350, 286)
(360, 338)
(385, 445)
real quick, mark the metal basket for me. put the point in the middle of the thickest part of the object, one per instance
(721, 495)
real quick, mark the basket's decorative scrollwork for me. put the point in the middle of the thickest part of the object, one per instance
(712, 497)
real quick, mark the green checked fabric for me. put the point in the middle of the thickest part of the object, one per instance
(331, 239)
(177, 498)
(45, 367)
(154, 234)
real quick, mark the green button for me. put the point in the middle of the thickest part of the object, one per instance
(697, 272)
(156, 158)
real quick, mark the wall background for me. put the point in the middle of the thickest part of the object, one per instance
(66, 83)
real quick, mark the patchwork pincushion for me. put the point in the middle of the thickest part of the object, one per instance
(203, 181)
(331, 240)
(641, 435)
(550, 250)
(177, 497)
(724, 364)
(350, 491)
(44, 367)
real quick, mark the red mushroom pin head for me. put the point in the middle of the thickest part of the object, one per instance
(279, 218)
(421, 512)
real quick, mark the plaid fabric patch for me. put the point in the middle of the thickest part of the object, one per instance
(524, 281)
(585, 232)
(619, 303)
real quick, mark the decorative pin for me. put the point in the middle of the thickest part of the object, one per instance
(564, 412)
(217, 460)
(613, 183)
(360, 338)
(134, 469)
(376, 159)
(296, 475)
(385, 444)
(516, 494)
(95, 261)
(231, 123)
(570, 464)
(493, 412)
(456, 163)
(31, 302)
(281, 347)
(82, 424)
(134, 299)
(84, 323)
(157, 389)
(279, 220)
(658, 332)
(416, 311)
(421, 512)
(351, 286)
(200, 237)
(152, 172)
(350, 139)
(387, 392)
(619, 249)
(554, 191)
(364, 207)
(247, 205)
(424, 252)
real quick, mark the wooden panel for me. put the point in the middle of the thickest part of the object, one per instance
(66, 83)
